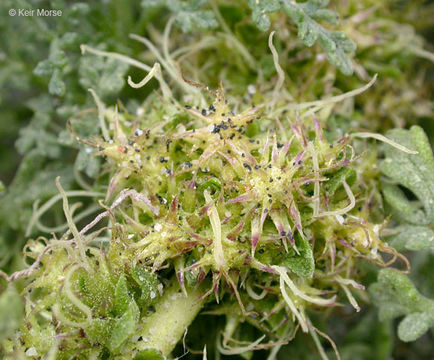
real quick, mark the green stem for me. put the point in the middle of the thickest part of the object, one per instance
(174, 313)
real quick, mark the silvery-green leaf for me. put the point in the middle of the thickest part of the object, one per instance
(402, 209)
(413, 171)
(415, 325)
(395, 295)
(336, 44)
(56, 85)
(105, 76)
(260, 9)
(413, 237)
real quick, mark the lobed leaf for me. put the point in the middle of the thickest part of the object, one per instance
(105, 76)
(412, 237)
(336, 44)
(415, 172)
(87, 162)
(415, 325)
(56, 85)
(189, 15)
(401, 207)
(395, 295)
(260, 9)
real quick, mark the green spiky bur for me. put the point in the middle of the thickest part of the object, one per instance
(219, 200)
(216, 171)
(390, 102)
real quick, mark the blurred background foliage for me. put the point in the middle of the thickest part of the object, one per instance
(44, 82)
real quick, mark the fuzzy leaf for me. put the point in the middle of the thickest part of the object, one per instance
(148, 283)
(260, 9)
(53, 66)
(87, 162)
(122, 297)
(56, 61)
(302, 264)
(33, 180)
(202, 19)
(415, 172)
(337, 178)
(11, 312)
(44, 142)
(44, 68)
(402, 209)
(326, 15)
(415, 325)
(124, 327)
(189, 15)
(335, 43)
(99, 330)
(105, 76)
(56, 85)
(395, 295)
(413, 237)
(149, 4)
(149, 354)
(58, 57)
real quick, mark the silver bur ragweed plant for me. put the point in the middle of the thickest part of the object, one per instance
(232, 212)
(251, 209)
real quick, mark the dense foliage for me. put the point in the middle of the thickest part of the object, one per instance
(237, 191)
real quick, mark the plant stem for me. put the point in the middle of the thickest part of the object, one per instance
(174, 313)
